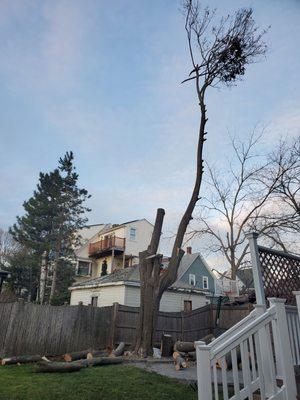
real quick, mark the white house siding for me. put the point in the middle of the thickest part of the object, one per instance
(171, 301)
(143, 236)
(107, 295)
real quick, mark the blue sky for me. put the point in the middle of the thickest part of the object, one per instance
(103, 79)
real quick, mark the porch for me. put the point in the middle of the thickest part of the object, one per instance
(258, 357)
(106, 246)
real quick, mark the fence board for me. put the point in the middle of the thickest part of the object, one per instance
(27, 328)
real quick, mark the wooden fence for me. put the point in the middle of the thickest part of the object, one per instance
(27, 328)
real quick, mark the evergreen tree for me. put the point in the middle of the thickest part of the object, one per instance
(52, 217)
(23, 267)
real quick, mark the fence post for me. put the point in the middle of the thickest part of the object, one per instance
(256, 268)
(203, 371)
(182, 325)
(284, 349)
(297, 294)
(113, 322)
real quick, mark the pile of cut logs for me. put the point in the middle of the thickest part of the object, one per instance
(70, 362)
(185, 352)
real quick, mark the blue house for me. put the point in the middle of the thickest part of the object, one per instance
(194, 272)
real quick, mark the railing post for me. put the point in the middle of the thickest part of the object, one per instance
(256, 268)
(297, 294)
(204, 377)
(266, 355)
(284, 349)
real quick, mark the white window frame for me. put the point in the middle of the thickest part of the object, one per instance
(206, 281)
(192, 277)
(132, 238)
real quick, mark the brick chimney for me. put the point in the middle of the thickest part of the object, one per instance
(188, 250)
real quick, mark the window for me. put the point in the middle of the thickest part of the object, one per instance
(187, 305)
(192, 280)
(83, 268)
(132, 233)
(94, 301)
(205, 282)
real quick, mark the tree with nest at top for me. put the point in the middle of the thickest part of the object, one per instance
(219, 54)
(53, 215)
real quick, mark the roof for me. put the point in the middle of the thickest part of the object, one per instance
(87, 232)
(128, 275)
(187, 261)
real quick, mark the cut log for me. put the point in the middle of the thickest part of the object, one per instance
(192, 355)
(21, 360)
(77, 355)
(99, 361)
(179, 361)
(208, 338)
(99, 353)
(44, 366)
(167, 345)
(184, 347)
(119, 351)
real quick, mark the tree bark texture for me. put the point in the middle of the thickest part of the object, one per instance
(54, 281)
(43, 278)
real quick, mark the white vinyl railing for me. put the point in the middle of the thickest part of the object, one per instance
(260, 346)
(293, 322)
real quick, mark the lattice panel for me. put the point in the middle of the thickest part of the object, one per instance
(281, 274)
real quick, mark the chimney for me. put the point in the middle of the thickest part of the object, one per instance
(189, 250)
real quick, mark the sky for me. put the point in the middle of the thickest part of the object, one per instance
(103, 79)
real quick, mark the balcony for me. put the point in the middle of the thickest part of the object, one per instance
(106, 246)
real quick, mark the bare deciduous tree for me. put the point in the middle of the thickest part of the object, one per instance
(219, 55)
(8, 246)
(287, 159)
(243, 198)
(284, 162)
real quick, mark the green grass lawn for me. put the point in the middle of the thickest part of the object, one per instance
(120, 382)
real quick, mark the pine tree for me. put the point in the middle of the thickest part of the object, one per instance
(52, 217)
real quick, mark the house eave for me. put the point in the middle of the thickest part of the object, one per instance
(137, 284)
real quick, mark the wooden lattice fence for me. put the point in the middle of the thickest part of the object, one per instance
(280, 273)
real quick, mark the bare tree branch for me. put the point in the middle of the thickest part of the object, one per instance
(249, 198)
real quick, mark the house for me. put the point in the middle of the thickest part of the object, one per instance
(194, 270)
(193, 288)
(83, 262)
(110, 247)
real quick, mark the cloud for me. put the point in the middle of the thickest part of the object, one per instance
(61, 44)
(47, 51)
(15, 187)
(285, 122)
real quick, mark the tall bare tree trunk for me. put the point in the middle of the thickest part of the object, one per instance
(154, 281)
(150, 268)
(237, 36)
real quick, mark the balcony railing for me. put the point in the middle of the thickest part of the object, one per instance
(106, 244)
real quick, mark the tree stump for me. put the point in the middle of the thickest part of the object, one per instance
(167, 345)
